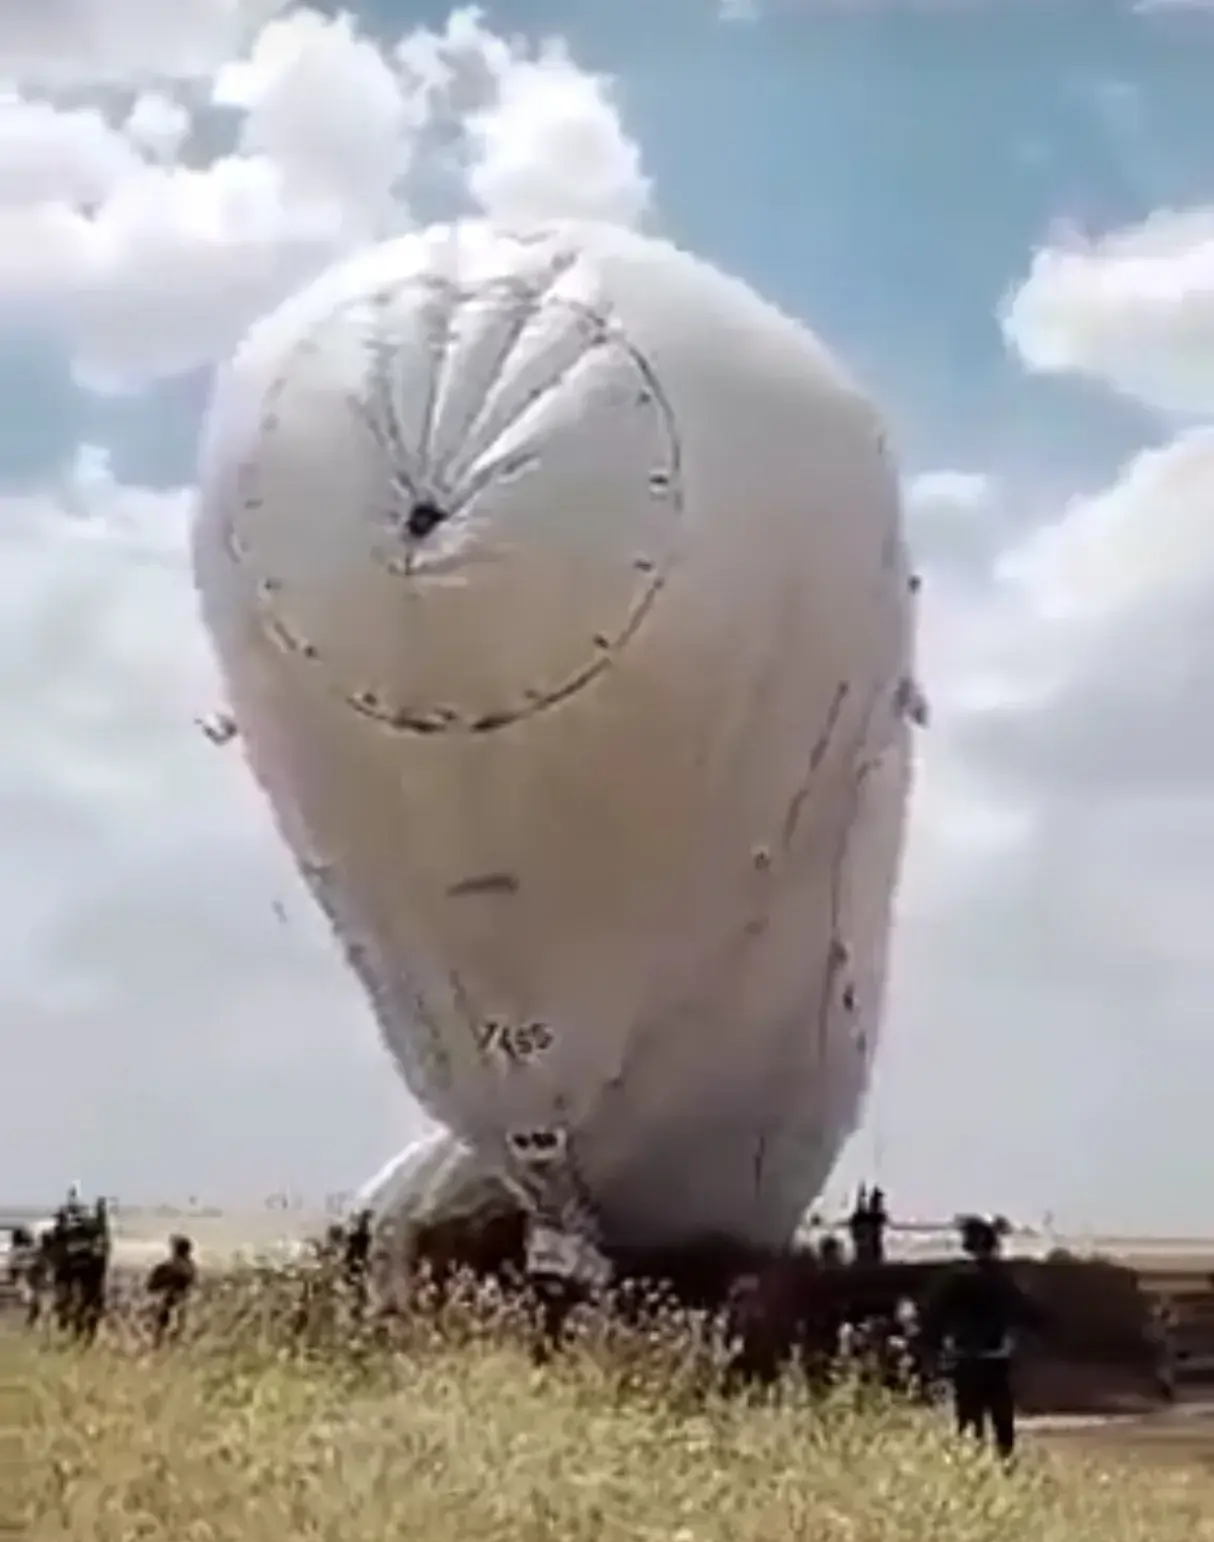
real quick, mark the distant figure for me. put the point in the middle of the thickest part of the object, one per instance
(169, 1286)
(553, 1271)
(20, 1248)
(28, 1271)
(72, 1263)
(743, 1331)
(55, 1285)
(330, 1249)
(878, 1223)
(975, 1313)
(94, 1269)
(759, 1330)
(857, 1221)
(867, 1226)
(830, 1252)
(1161, 1335)
(356, 1260)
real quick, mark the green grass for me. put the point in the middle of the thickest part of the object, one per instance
(244, 1432)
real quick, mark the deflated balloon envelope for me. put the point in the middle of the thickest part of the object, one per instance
(559, 587)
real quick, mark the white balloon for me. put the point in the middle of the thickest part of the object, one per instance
(437, 1178)
(559, 586)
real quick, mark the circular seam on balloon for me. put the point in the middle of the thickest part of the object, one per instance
(664, 483)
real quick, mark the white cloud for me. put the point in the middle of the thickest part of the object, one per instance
(147, 267)
(173, 266)
(550, 142)
(324, 104)
(1054, 954)
(58, 156)
(955, 520)
(89, 42)
(1134, 310)
(1145, 542)
(158, 944)
(157, 125)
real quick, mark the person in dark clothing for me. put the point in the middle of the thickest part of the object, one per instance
(55, 1286)
(169, 1285)
(975, 1313)
(867, 1225)
(20, 1245)
(747, 1331)
(27, 1269)
(878, 1224)
(93, 1270)
(356, 1259)
(857, 1225)
(72, 1256)
(830, 1252)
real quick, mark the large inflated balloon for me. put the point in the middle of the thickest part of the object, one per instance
(559, 587)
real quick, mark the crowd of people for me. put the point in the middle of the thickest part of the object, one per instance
(963, 1331)
(62, 1273)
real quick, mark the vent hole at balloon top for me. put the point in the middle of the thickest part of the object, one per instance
(424, 518)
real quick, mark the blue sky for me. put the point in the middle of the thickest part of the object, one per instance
(889, 177)
(884, 175)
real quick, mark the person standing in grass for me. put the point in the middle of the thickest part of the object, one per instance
(71, 1253)
(30, 1272)
(975, 1314)
(93, 1273)
(356, 1260)
(169, 1285)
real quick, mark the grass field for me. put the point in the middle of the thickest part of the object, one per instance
(450, 1434)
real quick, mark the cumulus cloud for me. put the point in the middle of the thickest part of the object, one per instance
(51, 155)
(146, 266)
(512, 174)
(157, 941)
(1117, 588)
(1061, 858)
(157, 125)
(94, 42)
(956, 520)
(1134, 310)
(358, 149)
(161, 958)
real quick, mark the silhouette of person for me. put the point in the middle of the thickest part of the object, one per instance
(878, 1222)
(92, 1270)
(356, 1260)
(71, 1253)
(830, 1251)
(857, 1224)
(976, 1311)
(170, 1285)
(866, 1226)
(27, 1269)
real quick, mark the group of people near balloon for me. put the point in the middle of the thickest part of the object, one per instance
(61, 1269)
(62, 1273)
(963, 1331)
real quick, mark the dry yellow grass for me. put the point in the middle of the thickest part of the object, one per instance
(249, 1432)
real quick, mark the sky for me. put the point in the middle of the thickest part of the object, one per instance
(1001, 216)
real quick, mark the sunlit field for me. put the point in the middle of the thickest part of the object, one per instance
(277, 1417)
